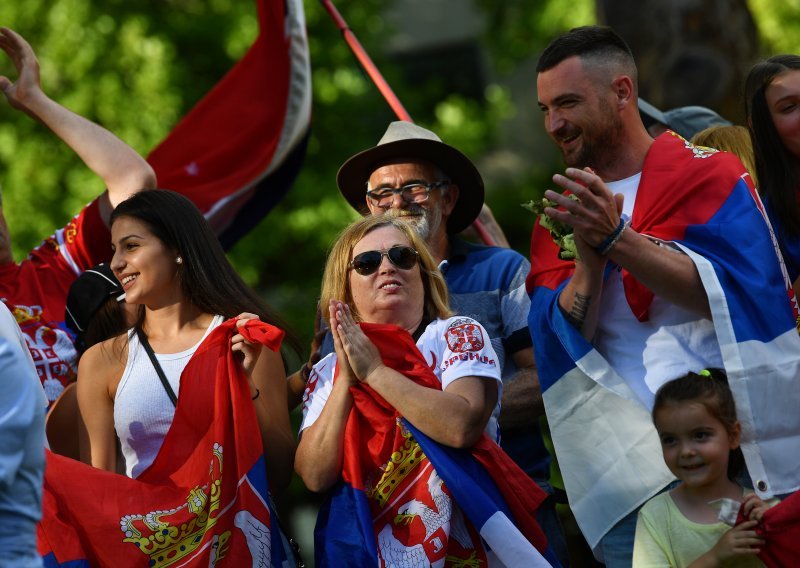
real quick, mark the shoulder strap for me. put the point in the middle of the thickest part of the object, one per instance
(149, 350)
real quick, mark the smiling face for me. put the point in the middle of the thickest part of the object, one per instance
(429, 218)
(783, 101)
(579, 114)
(695, 444)
(146, 269)
(390, 294)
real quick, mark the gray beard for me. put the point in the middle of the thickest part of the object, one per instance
(421, 224)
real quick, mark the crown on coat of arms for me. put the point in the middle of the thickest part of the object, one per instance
(401, 463)
(166, 536)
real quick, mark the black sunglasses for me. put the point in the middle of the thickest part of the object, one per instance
(367, 262)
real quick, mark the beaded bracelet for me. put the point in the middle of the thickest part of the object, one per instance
(605, 247)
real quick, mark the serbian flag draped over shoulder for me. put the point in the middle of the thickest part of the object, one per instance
(238, 151)
(405, 499)
(703, 202)
(203, 500)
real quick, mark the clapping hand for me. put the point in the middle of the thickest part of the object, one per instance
(593, 216)
(353, 348)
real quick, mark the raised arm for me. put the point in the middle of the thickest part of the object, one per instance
(123, 170)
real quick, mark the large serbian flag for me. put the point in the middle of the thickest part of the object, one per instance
(404, 499)
(237, 152)
(702, 202)
(203, 500)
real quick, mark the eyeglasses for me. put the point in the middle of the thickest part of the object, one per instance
(367, 262)
(417, 192)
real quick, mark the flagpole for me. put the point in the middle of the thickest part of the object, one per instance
(365, 60)
(388, 94)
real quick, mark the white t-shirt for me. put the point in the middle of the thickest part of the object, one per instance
(453, 348)
(672, 342)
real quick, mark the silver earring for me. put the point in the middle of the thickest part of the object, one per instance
(179, 260)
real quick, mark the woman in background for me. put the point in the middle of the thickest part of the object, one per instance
(772, 101)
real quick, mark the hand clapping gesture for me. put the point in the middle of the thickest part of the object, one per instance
(355, 352)
(593, 217)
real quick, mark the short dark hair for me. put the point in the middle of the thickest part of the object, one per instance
(709, 388)
(595, 42)
(775, 165)
(207, 279)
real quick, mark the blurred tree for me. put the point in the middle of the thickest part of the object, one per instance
(688, 53)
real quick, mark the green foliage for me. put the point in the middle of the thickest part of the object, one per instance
(562, 233)
(516, 29)
(778, 22)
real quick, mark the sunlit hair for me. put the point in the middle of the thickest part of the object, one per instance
(730, 138)
(776, 167)
(206, 277)
(336, 278)
(709, 388)
(600, 49)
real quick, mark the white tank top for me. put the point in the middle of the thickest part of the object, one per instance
(143, 411)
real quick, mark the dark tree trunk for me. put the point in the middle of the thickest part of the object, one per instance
(689, 52)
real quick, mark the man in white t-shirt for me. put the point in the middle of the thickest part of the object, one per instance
(672, 246)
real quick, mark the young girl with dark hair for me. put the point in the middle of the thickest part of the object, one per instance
(772, 104)
(171, 265)
(695, 417)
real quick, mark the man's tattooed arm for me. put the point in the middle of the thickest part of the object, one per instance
(580, 307)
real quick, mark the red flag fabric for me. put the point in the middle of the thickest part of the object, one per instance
(780, 529)
(202, 500)
(239, 149)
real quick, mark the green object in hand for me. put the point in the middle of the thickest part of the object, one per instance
(561, 232)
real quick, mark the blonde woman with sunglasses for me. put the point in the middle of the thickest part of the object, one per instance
(380, 271)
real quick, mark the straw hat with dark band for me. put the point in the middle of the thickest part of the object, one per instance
(407, 141)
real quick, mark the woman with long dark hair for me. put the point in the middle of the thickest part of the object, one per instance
(772, 100)
(172, 266)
